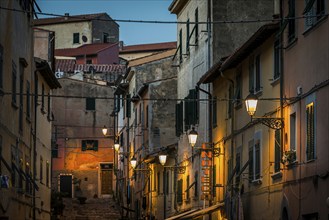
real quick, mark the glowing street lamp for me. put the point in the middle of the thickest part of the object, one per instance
(251, 104)
(104, 130)
(133, 162)
(162, 159)
(192, 137)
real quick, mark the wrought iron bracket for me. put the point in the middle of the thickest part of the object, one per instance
(274, 123)
(179, 169)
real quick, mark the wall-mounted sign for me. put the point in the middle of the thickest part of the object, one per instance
(206, 165)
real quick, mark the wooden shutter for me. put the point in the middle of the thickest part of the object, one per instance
(179, 119)
(251, 160)
(128, 106)
(277, 150)
(180, 191)
(310, 151)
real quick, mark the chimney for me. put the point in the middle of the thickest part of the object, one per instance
(120, 45)
(66, 16)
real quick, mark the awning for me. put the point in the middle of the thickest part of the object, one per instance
(182, 214)
(203, 211)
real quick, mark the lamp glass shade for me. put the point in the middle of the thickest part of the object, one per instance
(192, 137)
(251, 104)
(104, 130)
(133, 162)
(116, 147)
(162, 159)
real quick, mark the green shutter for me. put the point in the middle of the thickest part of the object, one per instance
(180, 191)
(214, 180)
(128, 106)
(251, 74)
(277, 150)
(251, 160)
(310, 148)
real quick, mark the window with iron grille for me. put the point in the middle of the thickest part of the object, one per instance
(310, 132)
(314, 11)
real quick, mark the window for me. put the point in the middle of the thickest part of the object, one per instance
(293, 133)
(277, 150)
(214, 112)
(128, 106)
(238, 90)
(76, 38)
(1, 67)
(28, 100)
(13, 165)
(191, 110)
(47, 173)
(310, 132)
(28, 185)
(180, 191)
(43, 98)
(180, 46)
(48, 107)
(314, 11)
(292, 22)
(158, 183)
(238, 163)
(21, 91)
(89, 61)
(140, 113)
(20, 180)
(54, 151)
(89, 145)
(90, 104)
(179, 119)
(13, 84)
(187, 36)
(230, 102)
(147, 117)
(196, 32)
(187, 187)
(277, 60)
(255, 157)
(254, 74)
(41, 169)
(105, 37)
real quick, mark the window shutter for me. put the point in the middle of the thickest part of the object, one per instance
(180, 191)
(179, 119)
(310, 132)
(186, 113)
(214, 180)
(128, 106)
(214, 112)
(251, 74)
(251, 160)
(196, 186)
(277, 150)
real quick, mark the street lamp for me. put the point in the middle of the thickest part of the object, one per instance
(192, 137)
(133, 162)
(116, 146)
(104, 130)
(162, 159)
(251, 106)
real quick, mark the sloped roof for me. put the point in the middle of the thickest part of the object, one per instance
(43, 67)
(70, 66)
(151, 58)
(148, 47)
(86, 49)
(67, 19)
(255, 41)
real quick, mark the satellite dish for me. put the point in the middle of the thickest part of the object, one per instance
(84, 38)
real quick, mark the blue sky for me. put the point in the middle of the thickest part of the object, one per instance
(130, 33)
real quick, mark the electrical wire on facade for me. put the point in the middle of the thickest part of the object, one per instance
(79, 17)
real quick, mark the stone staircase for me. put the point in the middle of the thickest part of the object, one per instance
(98, 209)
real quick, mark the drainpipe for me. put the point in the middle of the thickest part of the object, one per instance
(232, 135)
(35, 140)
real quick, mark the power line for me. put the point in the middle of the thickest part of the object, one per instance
(144, 99)
(79, 18)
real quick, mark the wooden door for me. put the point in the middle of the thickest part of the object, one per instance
(106, 181)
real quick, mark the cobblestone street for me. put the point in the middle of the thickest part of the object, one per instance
(99, 209)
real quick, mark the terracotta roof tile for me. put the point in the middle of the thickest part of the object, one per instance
(149, 47)
(64, 19)
(70, 66)
(86, 49)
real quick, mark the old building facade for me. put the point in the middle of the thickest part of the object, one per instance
(26, 86)
(75, 30)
